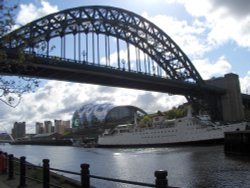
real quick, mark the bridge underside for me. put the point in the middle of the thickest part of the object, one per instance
(246, 101)
(65, 70)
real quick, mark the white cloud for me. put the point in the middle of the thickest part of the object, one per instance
(208, 70)
(32, 12)
(196, 8)
(225, 20)
(245, 83)
(239, 8)
(58, 100)
(195, 41)
(186, 35)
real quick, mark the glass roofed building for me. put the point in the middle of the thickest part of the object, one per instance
(94, 114)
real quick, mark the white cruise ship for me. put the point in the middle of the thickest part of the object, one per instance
(161, 132)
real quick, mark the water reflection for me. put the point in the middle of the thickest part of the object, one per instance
(193, 167)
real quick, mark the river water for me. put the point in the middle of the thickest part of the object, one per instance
(194, 167)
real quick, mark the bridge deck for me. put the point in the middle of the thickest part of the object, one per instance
(83, 72)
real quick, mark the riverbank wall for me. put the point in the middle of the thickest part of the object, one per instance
(43, 142)
(237, 142)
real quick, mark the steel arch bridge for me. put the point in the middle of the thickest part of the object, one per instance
(102, 42)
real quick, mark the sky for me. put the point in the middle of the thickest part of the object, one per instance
(215, 35)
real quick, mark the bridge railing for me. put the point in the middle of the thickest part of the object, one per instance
(56, 59)
(20, 166)
(91, 63)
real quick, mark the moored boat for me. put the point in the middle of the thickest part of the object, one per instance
(188, 129)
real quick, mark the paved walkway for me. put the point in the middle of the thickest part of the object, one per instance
(5, 183)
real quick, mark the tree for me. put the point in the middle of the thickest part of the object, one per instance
(6, 17)
(145, 121)
(179, 112)
(11, 88)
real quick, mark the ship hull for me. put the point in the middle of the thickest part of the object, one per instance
(211, 142)
(160, 137)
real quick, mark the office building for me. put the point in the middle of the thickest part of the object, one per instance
(47, 126)
(61, 126)
(18, 130)
(39, 128)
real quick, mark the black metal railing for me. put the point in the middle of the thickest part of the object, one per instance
(21, 165)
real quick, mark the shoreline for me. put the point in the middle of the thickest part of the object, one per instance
(43, 142)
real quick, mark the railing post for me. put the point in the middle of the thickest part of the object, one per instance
(85, 175)
(5, 163)
(22, 172)
(161, 179)
(46, 176)
(11, 167)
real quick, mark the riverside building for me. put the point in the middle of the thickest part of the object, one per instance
(47, 126)
(39, 128)
(61, 126)
(19, 130)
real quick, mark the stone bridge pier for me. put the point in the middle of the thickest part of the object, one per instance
(231, 103)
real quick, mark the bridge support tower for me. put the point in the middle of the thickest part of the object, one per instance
(231, 102)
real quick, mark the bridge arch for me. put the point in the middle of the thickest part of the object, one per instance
(109, 21)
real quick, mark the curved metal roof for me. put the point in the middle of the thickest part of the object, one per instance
(95, 112)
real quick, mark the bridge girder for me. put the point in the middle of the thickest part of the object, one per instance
(116, 22)
(42, 66)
